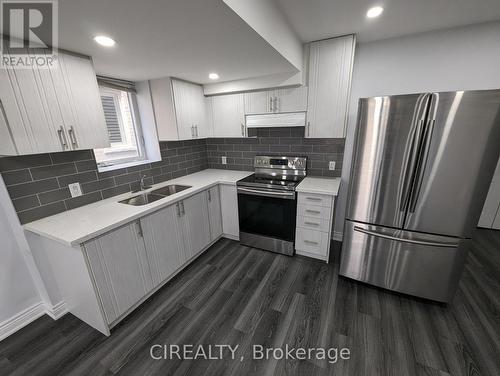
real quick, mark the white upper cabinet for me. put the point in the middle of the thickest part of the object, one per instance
(276, 100)
(180, 110)
(289, 100)
(330, 70)
(51, 110)
(228, 115)
(84, 116)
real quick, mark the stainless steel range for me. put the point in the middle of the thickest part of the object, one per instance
(267, 203)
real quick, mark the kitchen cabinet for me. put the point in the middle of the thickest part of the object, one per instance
(164, 243)
(51, 110)
(194, 224)
(229, 208)
(120, 268)
(228, 115)
(276, 100)
(490, 216)
(214, 212)
(180, 110)
(330, 70)
(314, 225)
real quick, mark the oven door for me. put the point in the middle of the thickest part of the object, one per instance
(267, 219)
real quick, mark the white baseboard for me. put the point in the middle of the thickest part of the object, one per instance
(337, 236)
(20, 320)
(232, 237)
(57, 311)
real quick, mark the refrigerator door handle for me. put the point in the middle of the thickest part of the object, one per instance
(422, 161)
(411, 165)
(404, 240)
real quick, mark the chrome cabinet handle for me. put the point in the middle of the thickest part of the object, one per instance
(196, 131)
(178, 209)
(62, 138)
(72, 137)
(311, 223)
(270, 104)
(182, 208)
(313, 211)
(310, 242)
(275, 104)
(242, 130)
(192, 131)
(209, 195)
(313, 199)
(139, 229)
(308, 128)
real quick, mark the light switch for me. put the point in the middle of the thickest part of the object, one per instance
(331, 165)
(224, 160)
(75, 189)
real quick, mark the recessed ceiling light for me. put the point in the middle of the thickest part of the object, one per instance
(374, 12)
(104, 41)
(213, 76)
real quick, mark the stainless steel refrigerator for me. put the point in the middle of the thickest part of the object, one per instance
(422, 166)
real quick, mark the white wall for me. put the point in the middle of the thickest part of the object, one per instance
(17, 288)
(454, 59)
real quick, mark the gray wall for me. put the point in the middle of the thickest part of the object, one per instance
(455, 59)
(277, 141)
(38, 184)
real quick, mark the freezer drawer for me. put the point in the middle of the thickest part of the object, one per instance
(423, 265)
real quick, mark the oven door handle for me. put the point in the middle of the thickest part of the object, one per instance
(256, 192)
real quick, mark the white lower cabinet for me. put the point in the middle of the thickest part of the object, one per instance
(129, 263)
(164, 243)
(229, 207)
(120, 269)
(314, 225)
(214, 212)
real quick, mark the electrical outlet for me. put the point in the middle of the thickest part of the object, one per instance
(75, 189)
(331, 165)
(224, 160)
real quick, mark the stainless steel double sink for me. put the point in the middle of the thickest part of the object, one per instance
(154, 195)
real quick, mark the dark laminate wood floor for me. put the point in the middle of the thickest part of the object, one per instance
(238, 295)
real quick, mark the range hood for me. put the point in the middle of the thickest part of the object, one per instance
(284, 119)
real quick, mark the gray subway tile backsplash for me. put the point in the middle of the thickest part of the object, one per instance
(38, 184)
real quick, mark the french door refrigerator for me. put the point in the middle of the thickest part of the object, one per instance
(422, 165)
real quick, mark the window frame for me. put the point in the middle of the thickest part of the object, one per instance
(141, 158)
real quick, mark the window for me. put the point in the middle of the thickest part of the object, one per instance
(124, 127)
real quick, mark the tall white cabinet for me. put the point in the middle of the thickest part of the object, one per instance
(50, 110)
(330, 70)
(490, 217)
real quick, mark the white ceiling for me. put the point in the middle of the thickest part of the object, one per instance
(319, 19)
(191, 38)
(158, 38)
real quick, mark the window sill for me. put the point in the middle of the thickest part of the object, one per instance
(125, 164)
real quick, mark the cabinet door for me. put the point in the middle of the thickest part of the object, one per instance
(258, 102)
(14, 136)
(195, 224)
(187, 106)
(120, 268)
(39, 126)
(85, 121)
(214, 213)
(330, 67)
(228, 115)
(290, 100)
(199, 113)
(164, 243)
(229, 207)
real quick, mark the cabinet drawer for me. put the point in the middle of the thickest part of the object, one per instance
(312, 241)
(312, 211)
(315, 199)
(312, 223)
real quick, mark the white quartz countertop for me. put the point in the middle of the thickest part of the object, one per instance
(322, 186)
(76, 226)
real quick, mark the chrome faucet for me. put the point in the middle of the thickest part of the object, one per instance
(143, 186)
